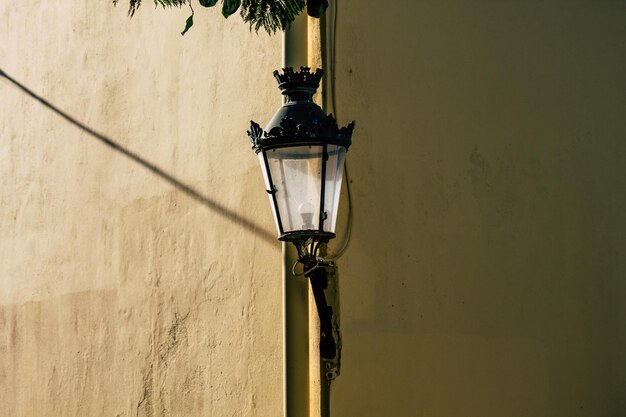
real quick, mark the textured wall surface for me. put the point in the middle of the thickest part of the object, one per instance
(486, 271)
(124, 290)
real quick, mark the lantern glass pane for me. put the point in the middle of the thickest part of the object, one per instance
(332, 185)
(268, 187)
(296, 174)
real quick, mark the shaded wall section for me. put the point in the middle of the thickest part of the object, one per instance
(140, 275)
(485, 275)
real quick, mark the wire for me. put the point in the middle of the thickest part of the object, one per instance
(332, 58)
(348, 230)
(307, 271)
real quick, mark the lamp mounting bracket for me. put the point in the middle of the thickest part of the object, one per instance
(317, 273)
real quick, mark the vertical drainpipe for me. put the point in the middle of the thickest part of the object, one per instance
(318, 404)
(295, 289)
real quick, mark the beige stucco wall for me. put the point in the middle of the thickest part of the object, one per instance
(121, 295)
(486, 271)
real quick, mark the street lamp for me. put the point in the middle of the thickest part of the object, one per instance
(302, 153)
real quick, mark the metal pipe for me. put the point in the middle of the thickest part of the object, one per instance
(295, 289)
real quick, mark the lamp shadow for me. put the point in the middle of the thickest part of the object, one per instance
(186, 189)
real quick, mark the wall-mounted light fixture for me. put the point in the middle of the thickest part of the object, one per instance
(302, 153)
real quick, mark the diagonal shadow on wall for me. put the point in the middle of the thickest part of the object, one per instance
(186, 189)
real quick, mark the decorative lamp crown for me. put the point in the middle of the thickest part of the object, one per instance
(297, 86)
(299, 121)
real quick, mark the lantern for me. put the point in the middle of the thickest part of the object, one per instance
(302, 153)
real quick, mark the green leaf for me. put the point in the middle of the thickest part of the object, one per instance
(230, 6)
(188, 25)
(208, 3)
(271, 15)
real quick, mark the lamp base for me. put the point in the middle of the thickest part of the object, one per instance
(304, 235)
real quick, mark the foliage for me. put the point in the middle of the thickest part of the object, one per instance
(271, 15)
